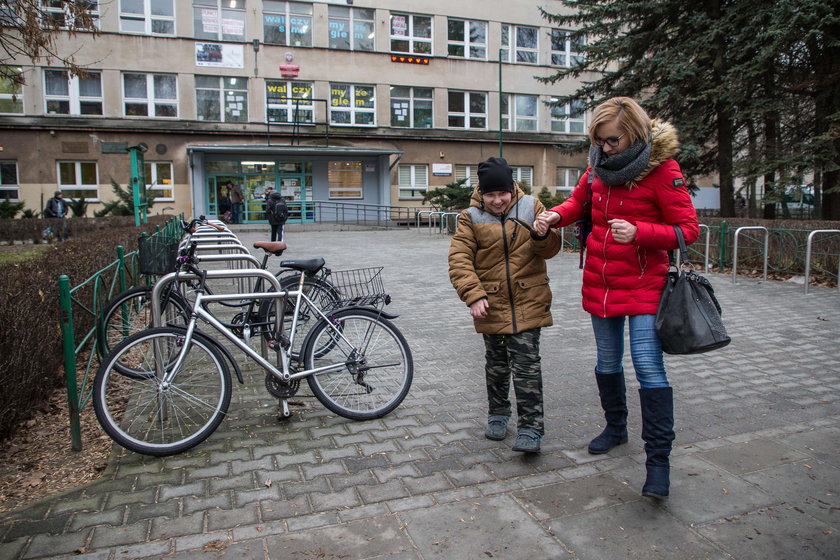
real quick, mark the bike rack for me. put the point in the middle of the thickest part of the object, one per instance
(706, 260)
(444, 220)
(735, 250)
(417, 215)
(808, 257)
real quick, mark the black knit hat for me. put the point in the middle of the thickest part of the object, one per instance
(495, 175)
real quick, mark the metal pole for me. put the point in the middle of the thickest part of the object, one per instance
(69, 350)
(500, 102)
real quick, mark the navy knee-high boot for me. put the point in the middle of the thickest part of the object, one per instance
(612, 391)
(658, 433)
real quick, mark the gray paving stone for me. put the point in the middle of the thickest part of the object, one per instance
(369, 538)
(220, 519)
(116, 536)
(811, 486)
(334, 501)
(382, 492)
(166, 528)
(751, 456)
(571, 498)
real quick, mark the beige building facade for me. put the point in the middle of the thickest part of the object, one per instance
(361, 102)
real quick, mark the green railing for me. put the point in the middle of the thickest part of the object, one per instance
(89, 297)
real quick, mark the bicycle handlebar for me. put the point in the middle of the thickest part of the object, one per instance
(190, 226)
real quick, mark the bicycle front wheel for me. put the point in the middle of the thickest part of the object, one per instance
(157, 411)
(373, 364)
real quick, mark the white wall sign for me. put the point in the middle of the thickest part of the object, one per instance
(441, 169)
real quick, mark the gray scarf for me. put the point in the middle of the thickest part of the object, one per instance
(620, 168)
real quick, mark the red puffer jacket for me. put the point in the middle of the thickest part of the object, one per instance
(627, 279)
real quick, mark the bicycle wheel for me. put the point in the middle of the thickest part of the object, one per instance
(147, 415)
(130, 312)
(374, 364)
(323, 295)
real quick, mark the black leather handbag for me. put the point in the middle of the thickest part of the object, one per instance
(688, 319)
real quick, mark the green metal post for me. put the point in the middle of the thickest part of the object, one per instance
(138, 183)
(121, 267)
(723, 236)
(69, 350)
(500, 102)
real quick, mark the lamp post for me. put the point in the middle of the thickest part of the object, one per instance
(500, 102)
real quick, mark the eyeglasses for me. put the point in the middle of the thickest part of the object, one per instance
(611, 141)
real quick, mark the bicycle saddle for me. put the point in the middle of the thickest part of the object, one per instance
(276, 247)
(309, 266)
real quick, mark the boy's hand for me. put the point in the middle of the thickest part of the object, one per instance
(479, 308)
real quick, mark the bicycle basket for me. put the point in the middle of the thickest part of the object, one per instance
(158, 255)
(359, 286)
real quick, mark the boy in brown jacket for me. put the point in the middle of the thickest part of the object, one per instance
(497, 266)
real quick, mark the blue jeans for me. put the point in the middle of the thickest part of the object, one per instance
(235, 209)
(645, 348)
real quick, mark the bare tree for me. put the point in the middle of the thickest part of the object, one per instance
(29, 30)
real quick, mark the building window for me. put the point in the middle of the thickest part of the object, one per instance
(345, 179)
(413, 181)
(11, 94)
(567, 179)
(520, 44)
(78, 179)
(9, 186)
(351, 28)
(57, 14)
(568, 118)
(522, 112)
(72, 95)
(216, 20)
(467, 39)
(523, 175)
(411, 107)
(150, 95)
(566, 51)
(289, 102)
(221, 99)
(159, 180)
(468, 172)
(149, 17)
(467, 109)
(411, 34)
(287, 23)
(352, 105)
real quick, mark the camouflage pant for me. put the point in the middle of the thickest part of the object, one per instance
(516, 355)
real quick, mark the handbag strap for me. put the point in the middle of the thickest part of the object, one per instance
(683, 251)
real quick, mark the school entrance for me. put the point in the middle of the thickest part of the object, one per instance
(302, 175)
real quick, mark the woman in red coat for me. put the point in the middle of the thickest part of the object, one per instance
(638, 193)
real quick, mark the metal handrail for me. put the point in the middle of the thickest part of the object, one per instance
(735, 249)
(808, 257)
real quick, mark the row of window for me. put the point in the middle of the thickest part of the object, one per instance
(349, 28)
(225, 99)
(81, 179)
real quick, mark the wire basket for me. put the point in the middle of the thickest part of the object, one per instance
(158, 255)
(359, 286)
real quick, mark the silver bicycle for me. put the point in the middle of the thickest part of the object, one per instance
(166, 389)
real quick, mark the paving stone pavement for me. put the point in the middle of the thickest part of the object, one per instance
(755, 468)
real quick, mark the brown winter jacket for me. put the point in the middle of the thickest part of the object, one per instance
(494, 257)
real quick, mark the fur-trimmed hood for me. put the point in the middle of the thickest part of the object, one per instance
(665, 144)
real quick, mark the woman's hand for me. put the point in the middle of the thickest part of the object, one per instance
(479, 308)
(622, 230)
(544, 221)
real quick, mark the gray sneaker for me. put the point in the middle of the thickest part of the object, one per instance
(528, 441)
(496, 427)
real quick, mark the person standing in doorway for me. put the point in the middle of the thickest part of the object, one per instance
(236, 199)
(57, 208)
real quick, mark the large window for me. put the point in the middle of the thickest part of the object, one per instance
(57, 14)
(411, 107)
(9, 186)
(568, 118)
(150, 95)
(567, 179)
(287, 23)
(411, 34)
(351, 28)
(521, 110)
(352, 105)
(345, 179)
(159, 180)
(520, 44)
(221, 99)
(565, 51)
(467, 39)
(149, 17)
(72, 95)
(523, 175)
(288, 102)
(413, 181)
(11, 95)
(78, 179)
(219, 20)
(467, 109)
(468, 172)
